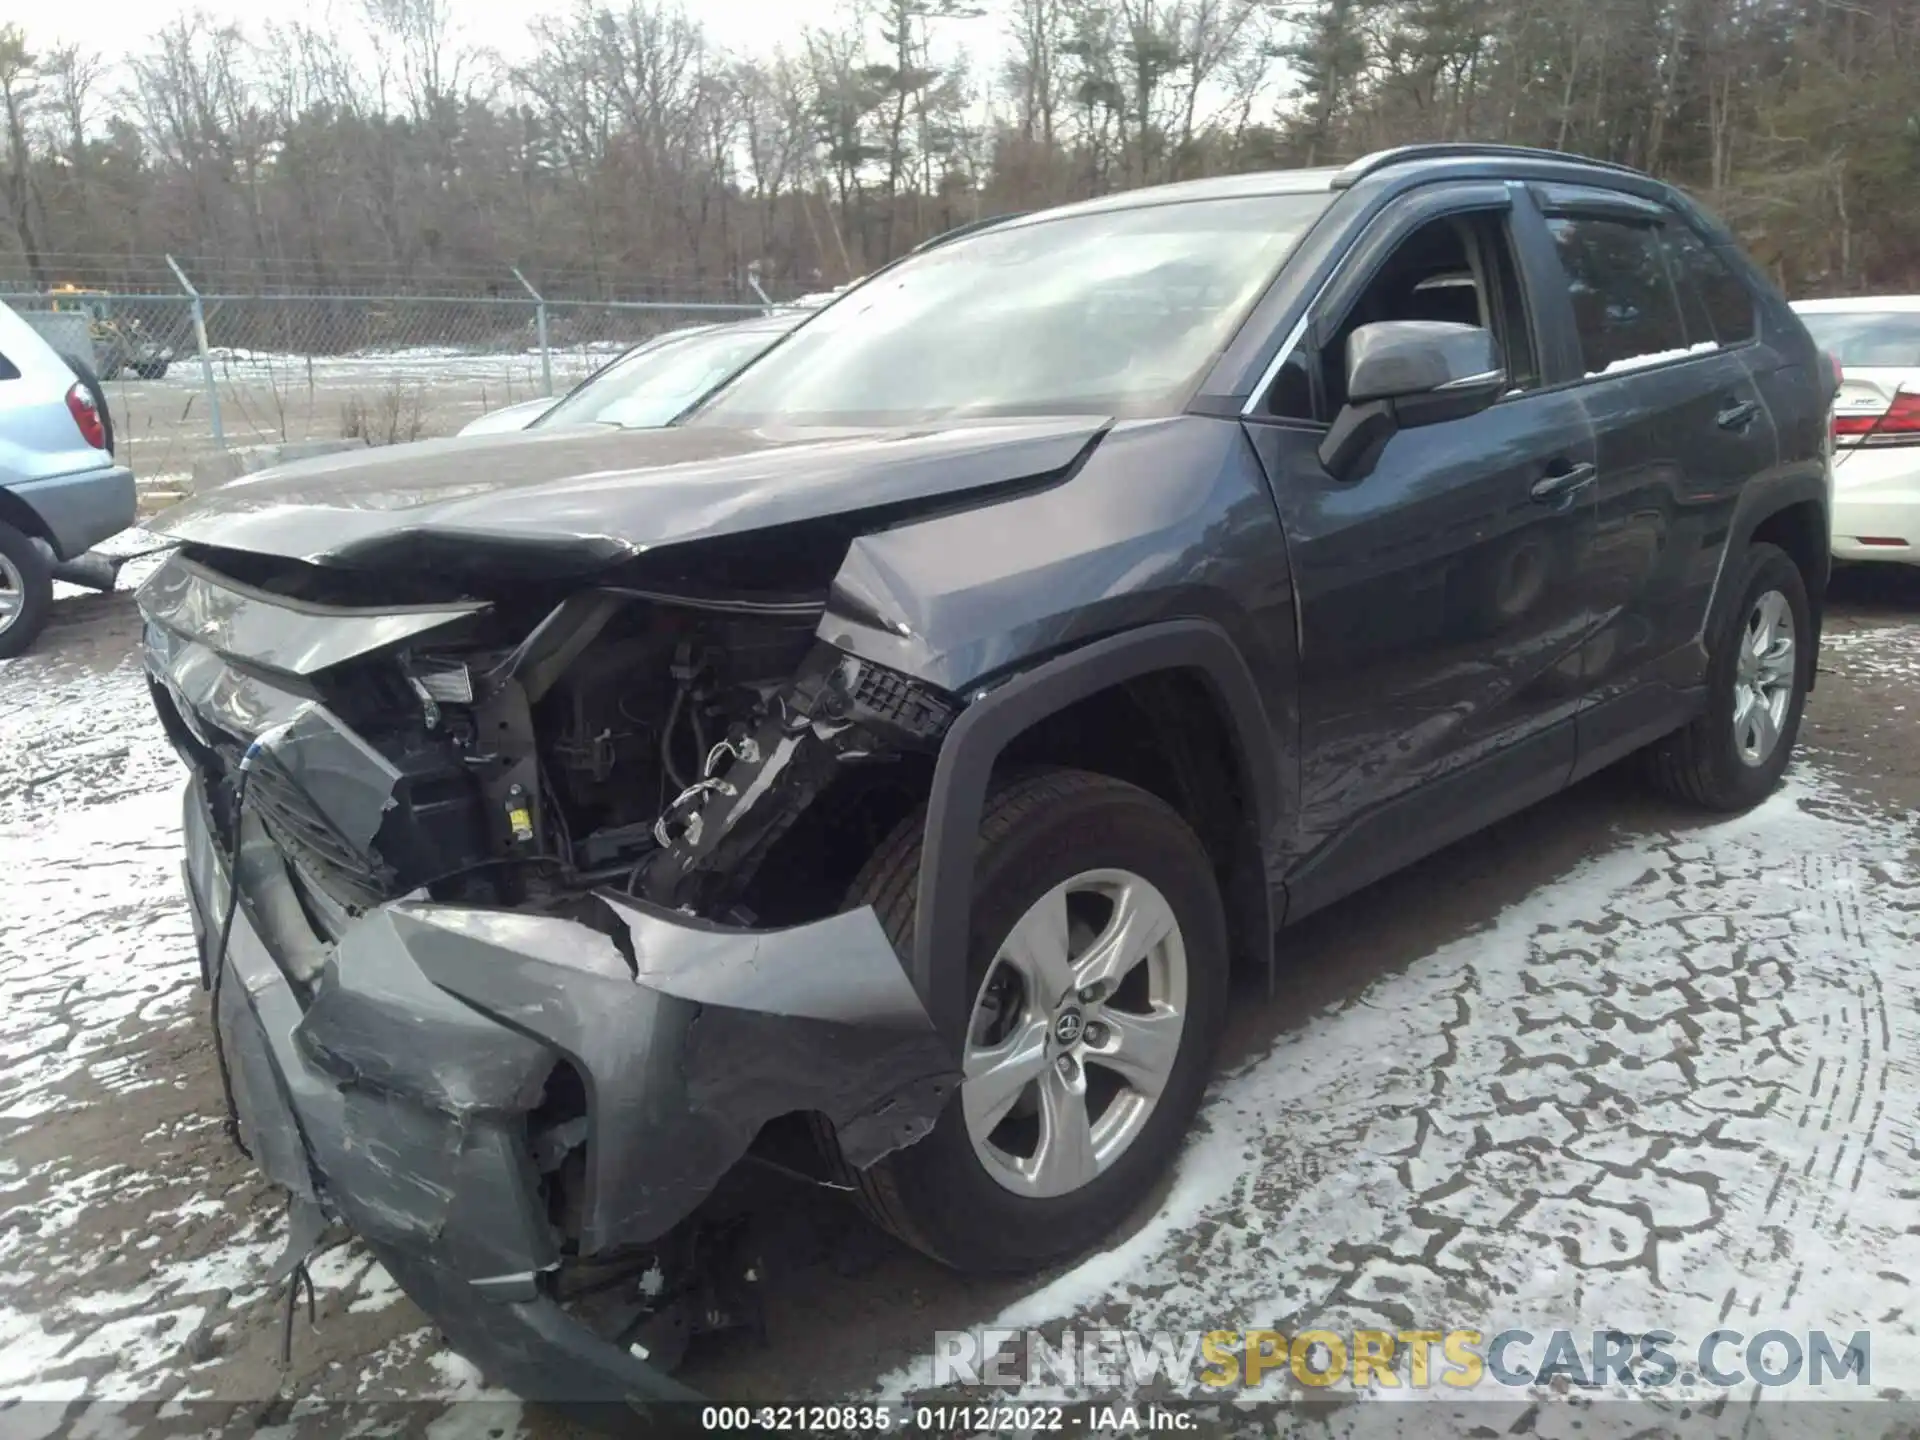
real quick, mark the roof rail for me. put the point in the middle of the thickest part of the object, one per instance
(969, 228)
(1467, 149)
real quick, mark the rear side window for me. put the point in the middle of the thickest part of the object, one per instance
(1709, 290)
(1624, 303)
(8, 370)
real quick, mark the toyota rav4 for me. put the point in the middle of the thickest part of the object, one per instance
(897, 751)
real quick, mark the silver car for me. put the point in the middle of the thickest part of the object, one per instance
(60, 491)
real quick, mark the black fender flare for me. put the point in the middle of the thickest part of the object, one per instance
(1757, 502)
(985, 728)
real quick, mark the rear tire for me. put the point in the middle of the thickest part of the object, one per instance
(1732, 756)
(957, 1195)
(26, 592)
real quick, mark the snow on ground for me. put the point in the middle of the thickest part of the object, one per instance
(134, 1246)
(436, 361)
(1674, 1091)
(1882, 654)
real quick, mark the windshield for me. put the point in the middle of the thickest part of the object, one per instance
(654, 384)
(1866, 340)
(1110, 313)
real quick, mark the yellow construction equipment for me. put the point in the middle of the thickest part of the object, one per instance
(119, 342)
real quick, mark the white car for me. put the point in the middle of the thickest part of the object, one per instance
(1876, 423)
(510, 417)
(653, 383)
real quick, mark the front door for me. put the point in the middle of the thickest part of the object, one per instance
(1442, 593)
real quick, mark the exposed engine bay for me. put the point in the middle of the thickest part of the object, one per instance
(658, 740)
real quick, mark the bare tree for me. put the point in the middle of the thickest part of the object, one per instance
(627, 154)
(19, 93)
(432, 62)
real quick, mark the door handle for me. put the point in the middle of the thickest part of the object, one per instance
(1550, 489)
(1737, 416)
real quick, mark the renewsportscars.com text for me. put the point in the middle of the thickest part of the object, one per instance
(1452, 1359)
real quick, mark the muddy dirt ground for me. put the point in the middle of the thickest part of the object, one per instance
(1604, 1063)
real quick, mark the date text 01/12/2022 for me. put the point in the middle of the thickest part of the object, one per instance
(958, 1419)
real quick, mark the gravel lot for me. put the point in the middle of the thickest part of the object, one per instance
(1601, 1066)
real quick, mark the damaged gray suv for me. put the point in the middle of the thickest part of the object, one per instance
(897, 753)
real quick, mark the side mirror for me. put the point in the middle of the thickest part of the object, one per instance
(1406, 373)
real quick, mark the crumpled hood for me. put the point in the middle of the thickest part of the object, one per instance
(572, 501)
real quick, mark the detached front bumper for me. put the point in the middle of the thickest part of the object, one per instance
(394, 1090)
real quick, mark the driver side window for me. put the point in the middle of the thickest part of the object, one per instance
(1459, 268)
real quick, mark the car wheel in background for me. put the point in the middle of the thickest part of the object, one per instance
(1758, 670)
(26, 591)
(1097, 976)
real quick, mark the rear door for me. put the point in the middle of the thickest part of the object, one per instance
(1679, 425)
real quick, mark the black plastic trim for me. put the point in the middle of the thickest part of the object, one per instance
(1600, 202)
(1469, 150)
(1759, 500)
(991, 722)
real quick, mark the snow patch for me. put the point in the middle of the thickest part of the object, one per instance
(1656, 357)
(1414, 1106)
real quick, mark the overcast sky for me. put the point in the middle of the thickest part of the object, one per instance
(119, 27)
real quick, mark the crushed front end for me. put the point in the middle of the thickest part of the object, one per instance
(535, 929)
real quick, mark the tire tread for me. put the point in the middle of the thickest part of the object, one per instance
(37, 598)
(1683, 766)
(889, 882)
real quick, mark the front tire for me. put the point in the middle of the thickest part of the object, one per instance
(1097, 972)
(26, 592)
(1759, 668)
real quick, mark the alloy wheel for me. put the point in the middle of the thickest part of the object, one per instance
(1763, 678)
(1074, 1033)
(13, 593)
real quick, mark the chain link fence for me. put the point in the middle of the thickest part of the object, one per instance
(190, 375)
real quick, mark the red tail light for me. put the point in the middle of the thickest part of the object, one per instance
(1898, 424)
(80, 406)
